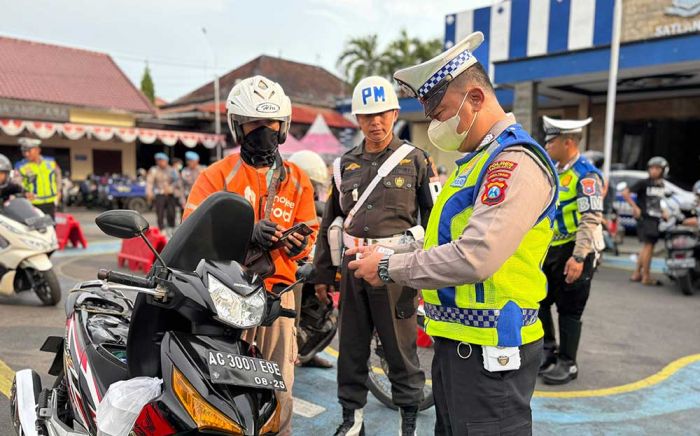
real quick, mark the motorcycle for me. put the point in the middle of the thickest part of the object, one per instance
(27, 239)
(681, 244)
(184, 327)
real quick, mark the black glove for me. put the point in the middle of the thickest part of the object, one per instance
(263, 232)
(294, 250)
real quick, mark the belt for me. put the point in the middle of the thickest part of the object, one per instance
(563, 237)
(484, 318)
(352, 242)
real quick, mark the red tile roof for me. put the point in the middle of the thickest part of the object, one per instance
(303, 83)
(55, 74)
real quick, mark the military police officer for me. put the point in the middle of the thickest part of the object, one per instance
(381, 194)
(570, 262)
(480, 263)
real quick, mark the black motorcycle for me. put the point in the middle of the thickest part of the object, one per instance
(184, 327)
(681, 263)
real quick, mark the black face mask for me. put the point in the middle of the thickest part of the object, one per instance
(259, 147)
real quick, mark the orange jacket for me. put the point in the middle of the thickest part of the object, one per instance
(293, 204)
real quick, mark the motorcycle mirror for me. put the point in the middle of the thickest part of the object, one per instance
(123, 224)
(305, 272)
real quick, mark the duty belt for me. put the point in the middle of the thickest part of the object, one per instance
(484, 318)
(352, 242)
(563, 236)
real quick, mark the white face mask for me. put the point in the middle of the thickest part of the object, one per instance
(443, 134)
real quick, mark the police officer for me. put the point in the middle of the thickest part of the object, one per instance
(388, 208)
(163, 183)
(41, 176)
(480, 263)
(569, 265)
(191, 171)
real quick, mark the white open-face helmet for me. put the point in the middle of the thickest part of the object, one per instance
(374, 95)
(312, 164)
(257, 98)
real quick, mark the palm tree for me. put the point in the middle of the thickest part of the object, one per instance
(361, 58)
(406, 51)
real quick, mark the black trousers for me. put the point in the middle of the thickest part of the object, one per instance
(392, 311)
(469, 400)
(165, 210)
(48, 208)
(570, 299)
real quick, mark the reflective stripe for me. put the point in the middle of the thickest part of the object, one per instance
(191, 206)
(483, 318)
(232, 174)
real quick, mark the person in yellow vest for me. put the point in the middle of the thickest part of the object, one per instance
(570, 263)
(480, 265)
(41, 176)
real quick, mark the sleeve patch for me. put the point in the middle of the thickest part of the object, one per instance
(583, 204)
(589, 188)
(501, 165)
(494, 192)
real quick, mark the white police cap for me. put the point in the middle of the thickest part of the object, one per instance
(554, 127)
(428, 81)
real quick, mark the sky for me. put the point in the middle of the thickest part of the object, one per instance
(168, 33)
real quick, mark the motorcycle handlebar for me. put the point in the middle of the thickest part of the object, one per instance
(125, 279)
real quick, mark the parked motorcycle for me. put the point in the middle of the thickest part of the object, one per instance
(27, 239)
(681, 245)
(184, 327)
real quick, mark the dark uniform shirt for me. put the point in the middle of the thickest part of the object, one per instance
(9, 190)
(400, 201)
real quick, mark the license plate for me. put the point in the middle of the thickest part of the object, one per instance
(234, 369)
(681, 263)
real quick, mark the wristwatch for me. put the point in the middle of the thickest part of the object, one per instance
(579, 259)
(383, 269)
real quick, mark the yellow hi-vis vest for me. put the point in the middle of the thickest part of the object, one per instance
(39, 179)
(502, 310)
(568, 216)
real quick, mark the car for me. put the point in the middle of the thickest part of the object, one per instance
(621, 179)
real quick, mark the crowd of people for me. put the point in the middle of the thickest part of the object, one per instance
(490, 248)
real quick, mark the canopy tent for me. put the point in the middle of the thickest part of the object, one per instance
(320, 139)
(45, 130)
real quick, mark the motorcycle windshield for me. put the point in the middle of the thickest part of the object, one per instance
(21, 210)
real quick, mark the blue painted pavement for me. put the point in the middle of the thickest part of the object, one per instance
(671, 407)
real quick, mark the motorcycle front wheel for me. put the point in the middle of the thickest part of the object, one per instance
(47, 287)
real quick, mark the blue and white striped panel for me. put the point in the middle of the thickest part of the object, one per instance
(515, 29)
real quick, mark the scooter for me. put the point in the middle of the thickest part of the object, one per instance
(681, 244)
(27, 239)
(184, 327)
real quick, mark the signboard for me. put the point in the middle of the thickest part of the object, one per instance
(32, 111)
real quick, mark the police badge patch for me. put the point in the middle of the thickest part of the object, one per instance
(588, 187)
(494, 192)
(399, 182)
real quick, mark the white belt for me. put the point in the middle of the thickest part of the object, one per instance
(352, 242)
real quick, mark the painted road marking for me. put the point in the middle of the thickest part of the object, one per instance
(94, 248)
(654, 379)
(6, 376)
(307, 409)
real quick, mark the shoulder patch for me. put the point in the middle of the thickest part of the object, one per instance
(494, 192)
(406, 162)
(588, 187)
(501, 165)
(352, 166)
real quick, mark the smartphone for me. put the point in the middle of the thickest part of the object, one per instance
(300, 228)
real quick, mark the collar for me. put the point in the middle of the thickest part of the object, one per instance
(493, 133)
(568, 165)
(393, 146)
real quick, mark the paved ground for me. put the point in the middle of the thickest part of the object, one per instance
(640, 358)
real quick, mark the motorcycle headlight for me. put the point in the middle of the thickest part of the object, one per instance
(234, 309)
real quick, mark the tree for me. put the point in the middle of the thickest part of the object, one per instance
(147, 86)
(406, 51)
(361, 58)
